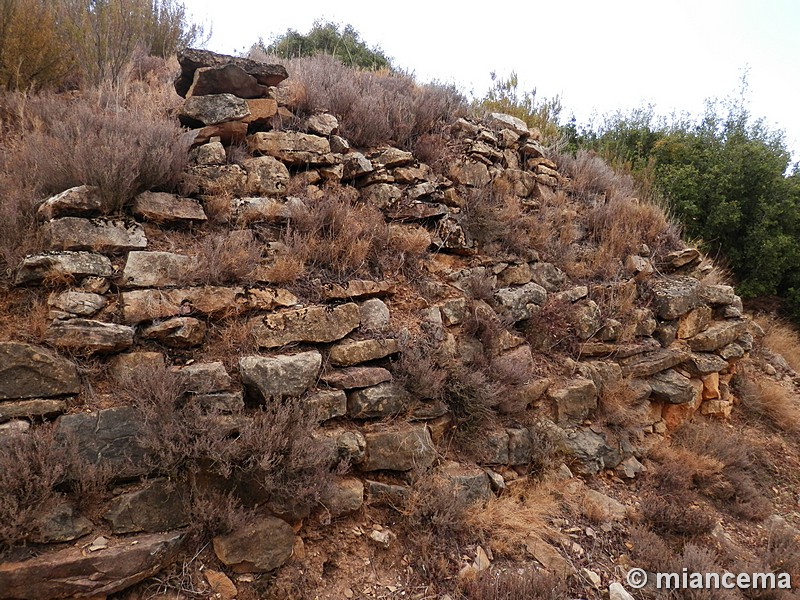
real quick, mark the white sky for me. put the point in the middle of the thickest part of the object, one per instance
(598, 55)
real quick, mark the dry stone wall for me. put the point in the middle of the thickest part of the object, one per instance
(117, 300)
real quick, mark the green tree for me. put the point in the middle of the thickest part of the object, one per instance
(344, 43)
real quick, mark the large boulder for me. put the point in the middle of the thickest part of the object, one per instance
(227, 79)
(191, 59)
(76, 573)
(56, 266)
(260, 546)
(101, 235)
(280, 376)
(28, 371)
(315, 324)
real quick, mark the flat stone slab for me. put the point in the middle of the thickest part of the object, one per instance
(356, 288)
(673, 297)
(356, 377)
(717, 336)
(315, 324)
(227, 79)
(28, 371)
(160, 207)
(399, 450)
(177, 332)
(670, 386)
(292, 147)
(353, 352)
(212, 301)
(73, 573)
(156, 269)
(213, 109)
(158, 507)
(83, 304)
(280, 376)
(328, 404)
(21, 409)
(650, 363)
(88, 336)
(80, 201)
(383, 400)
(59, 265)
(100, 235)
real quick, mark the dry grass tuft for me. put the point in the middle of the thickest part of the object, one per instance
(770, 401)
(781, 338)
(528, 585)
(225, 258)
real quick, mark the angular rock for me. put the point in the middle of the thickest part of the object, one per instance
(681, 258)
(717, 336)
(124, 365)
(717, 295)
(350, 352)
(83, 304)
(383, 400)
(670, 386)
(29, 409)
(319, 324)
(81, 201)
(280, 376)
(221, 585)
(262, 545)
(520, 445)
(292, 147)
(650, 363)
(266, 176)
(213, 109)
(88, 336)
(731, 351)
(60, 265)
(61, 524)
(604, 507)
(503, 121)
(469, 173)
(328, 404)
(374, 315)
(73, 573)
(345, 496)
(160, 207)
(28, 371)
(109, 436)
(229, 133)
(156, 269)
(674, 297)
(322, 124)
(575, 400)
(548, 276)
(381, 195)
(227, 79)
(355, 288)
(191, 59)
(591, 451)
(385, 493)
(516, 302)
(702, 363)
(356, 165)
(586, 319)
(158, 507)
(469, 484)
(178, 332)
(211, 153)
(399, 450)
(261, 111)
(693, 322)
(215, 178)
(356, 377)
(73, 233)
(204, 378)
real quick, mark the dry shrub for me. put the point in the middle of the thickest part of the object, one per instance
(528, 585)
(435, 150)
(616, 404)
(31, 465)
(418, 371)
(650, 551)
(781, 338)
(590, 176)
(283, 268)
(770, 401)
(435, 526)
(622, 224)
(373, 108)
(406, 247)
(336, 234)
(783, 551)
(470, 395)
(678, 514)
(273, 449)
(225, 258)
(495, 218)
(509, 520)
(26, 315)
(214, 512)
(550, 328)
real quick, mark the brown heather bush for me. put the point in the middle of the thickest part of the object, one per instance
(769, 401)
(592, 178)
(678, 513)
(373, 108)
(336, 235)
(496, 219)
(30, 467)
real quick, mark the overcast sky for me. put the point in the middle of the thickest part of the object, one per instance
(598, 55)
